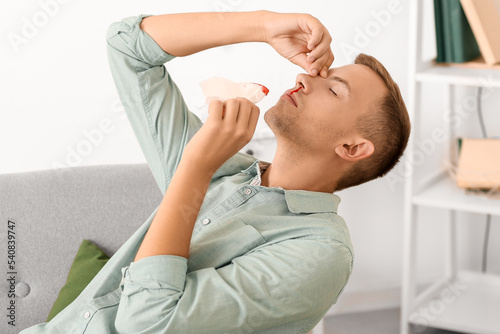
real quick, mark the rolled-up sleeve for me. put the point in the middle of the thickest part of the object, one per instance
(152, 101)
(280, 286)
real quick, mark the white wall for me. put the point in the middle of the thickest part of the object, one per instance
(56, 88)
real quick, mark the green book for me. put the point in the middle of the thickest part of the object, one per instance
(464, 45)
(447, 31)
(455, 41)
(438, 21)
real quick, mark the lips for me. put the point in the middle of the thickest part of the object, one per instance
(290, 92)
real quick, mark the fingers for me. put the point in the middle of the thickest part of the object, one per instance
(248, 116)
(321, 56)
(322, 47)
(315, 29)
(320, 61)
(238, 113)
(324, 63)
(215, 111)
(232, 111)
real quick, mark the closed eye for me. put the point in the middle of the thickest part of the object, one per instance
(331, 90)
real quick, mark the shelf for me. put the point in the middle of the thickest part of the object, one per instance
(459, 76)
(464, 302)
(470, 304)
(443, 193)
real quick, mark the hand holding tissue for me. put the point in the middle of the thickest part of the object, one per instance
(222, 137)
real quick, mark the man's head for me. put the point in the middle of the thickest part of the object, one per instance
(355, 120)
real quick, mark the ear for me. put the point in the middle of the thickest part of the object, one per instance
(357, 150)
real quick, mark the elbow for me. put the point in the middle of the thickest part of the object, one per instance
(145, 312)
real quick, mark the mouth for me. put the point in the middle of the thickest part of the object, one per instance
(288, 95)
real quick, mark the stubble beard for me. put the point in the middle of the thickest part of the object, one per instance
(285, 126)
(295, 139)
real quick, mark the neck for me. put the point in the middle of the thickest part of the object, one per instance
(294, 172)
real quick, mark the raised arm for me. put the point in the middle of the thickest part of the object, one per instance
(188, 33)
(293, 36)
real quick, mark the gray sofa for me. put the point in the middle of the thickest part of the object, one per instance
(52, 211)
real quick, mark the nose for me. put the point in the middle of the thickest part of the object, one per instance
(305, 81)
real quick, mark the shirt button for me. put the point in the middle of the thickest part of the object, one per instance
(206, 221)
(86, 315)
(248, 191)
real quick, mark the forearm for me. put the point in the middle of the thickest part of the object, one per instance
(171, 229)
(187, 33)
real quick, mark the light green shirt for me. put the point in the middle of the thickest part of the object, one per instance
(262, 260)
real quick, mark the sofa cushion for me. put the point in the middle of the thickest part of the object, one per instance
(88, 261)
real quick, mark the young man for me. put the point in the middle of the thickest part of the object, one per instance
(239, 245)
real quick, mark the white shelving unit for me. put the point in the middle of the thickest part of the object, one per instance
(461, 301)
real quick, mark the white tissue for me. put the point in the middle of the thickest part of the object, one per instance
(218, 88)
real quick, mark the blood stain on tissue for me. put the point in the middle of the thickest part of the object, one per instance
(265, 90)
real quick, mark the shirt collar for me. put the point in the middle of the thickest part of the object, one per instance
(300, 201)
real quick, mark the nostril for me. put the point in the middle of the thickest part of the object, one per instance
(301, 79)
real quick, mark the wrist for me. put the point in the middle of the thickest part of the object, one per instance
(264, 18)
(197, 163)
(255, 29)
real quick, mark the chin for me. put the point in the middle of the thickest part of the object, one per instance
(279, 121)
(266, 115)
(270, 117)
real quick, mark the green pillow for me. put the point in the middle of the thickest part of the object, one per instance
(87, 263)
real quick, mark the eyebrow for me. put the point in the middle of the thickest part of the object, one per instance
(346, 84)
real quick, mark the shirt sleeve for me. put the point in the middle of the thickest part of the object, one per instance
(152, 101)
(281, 286)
